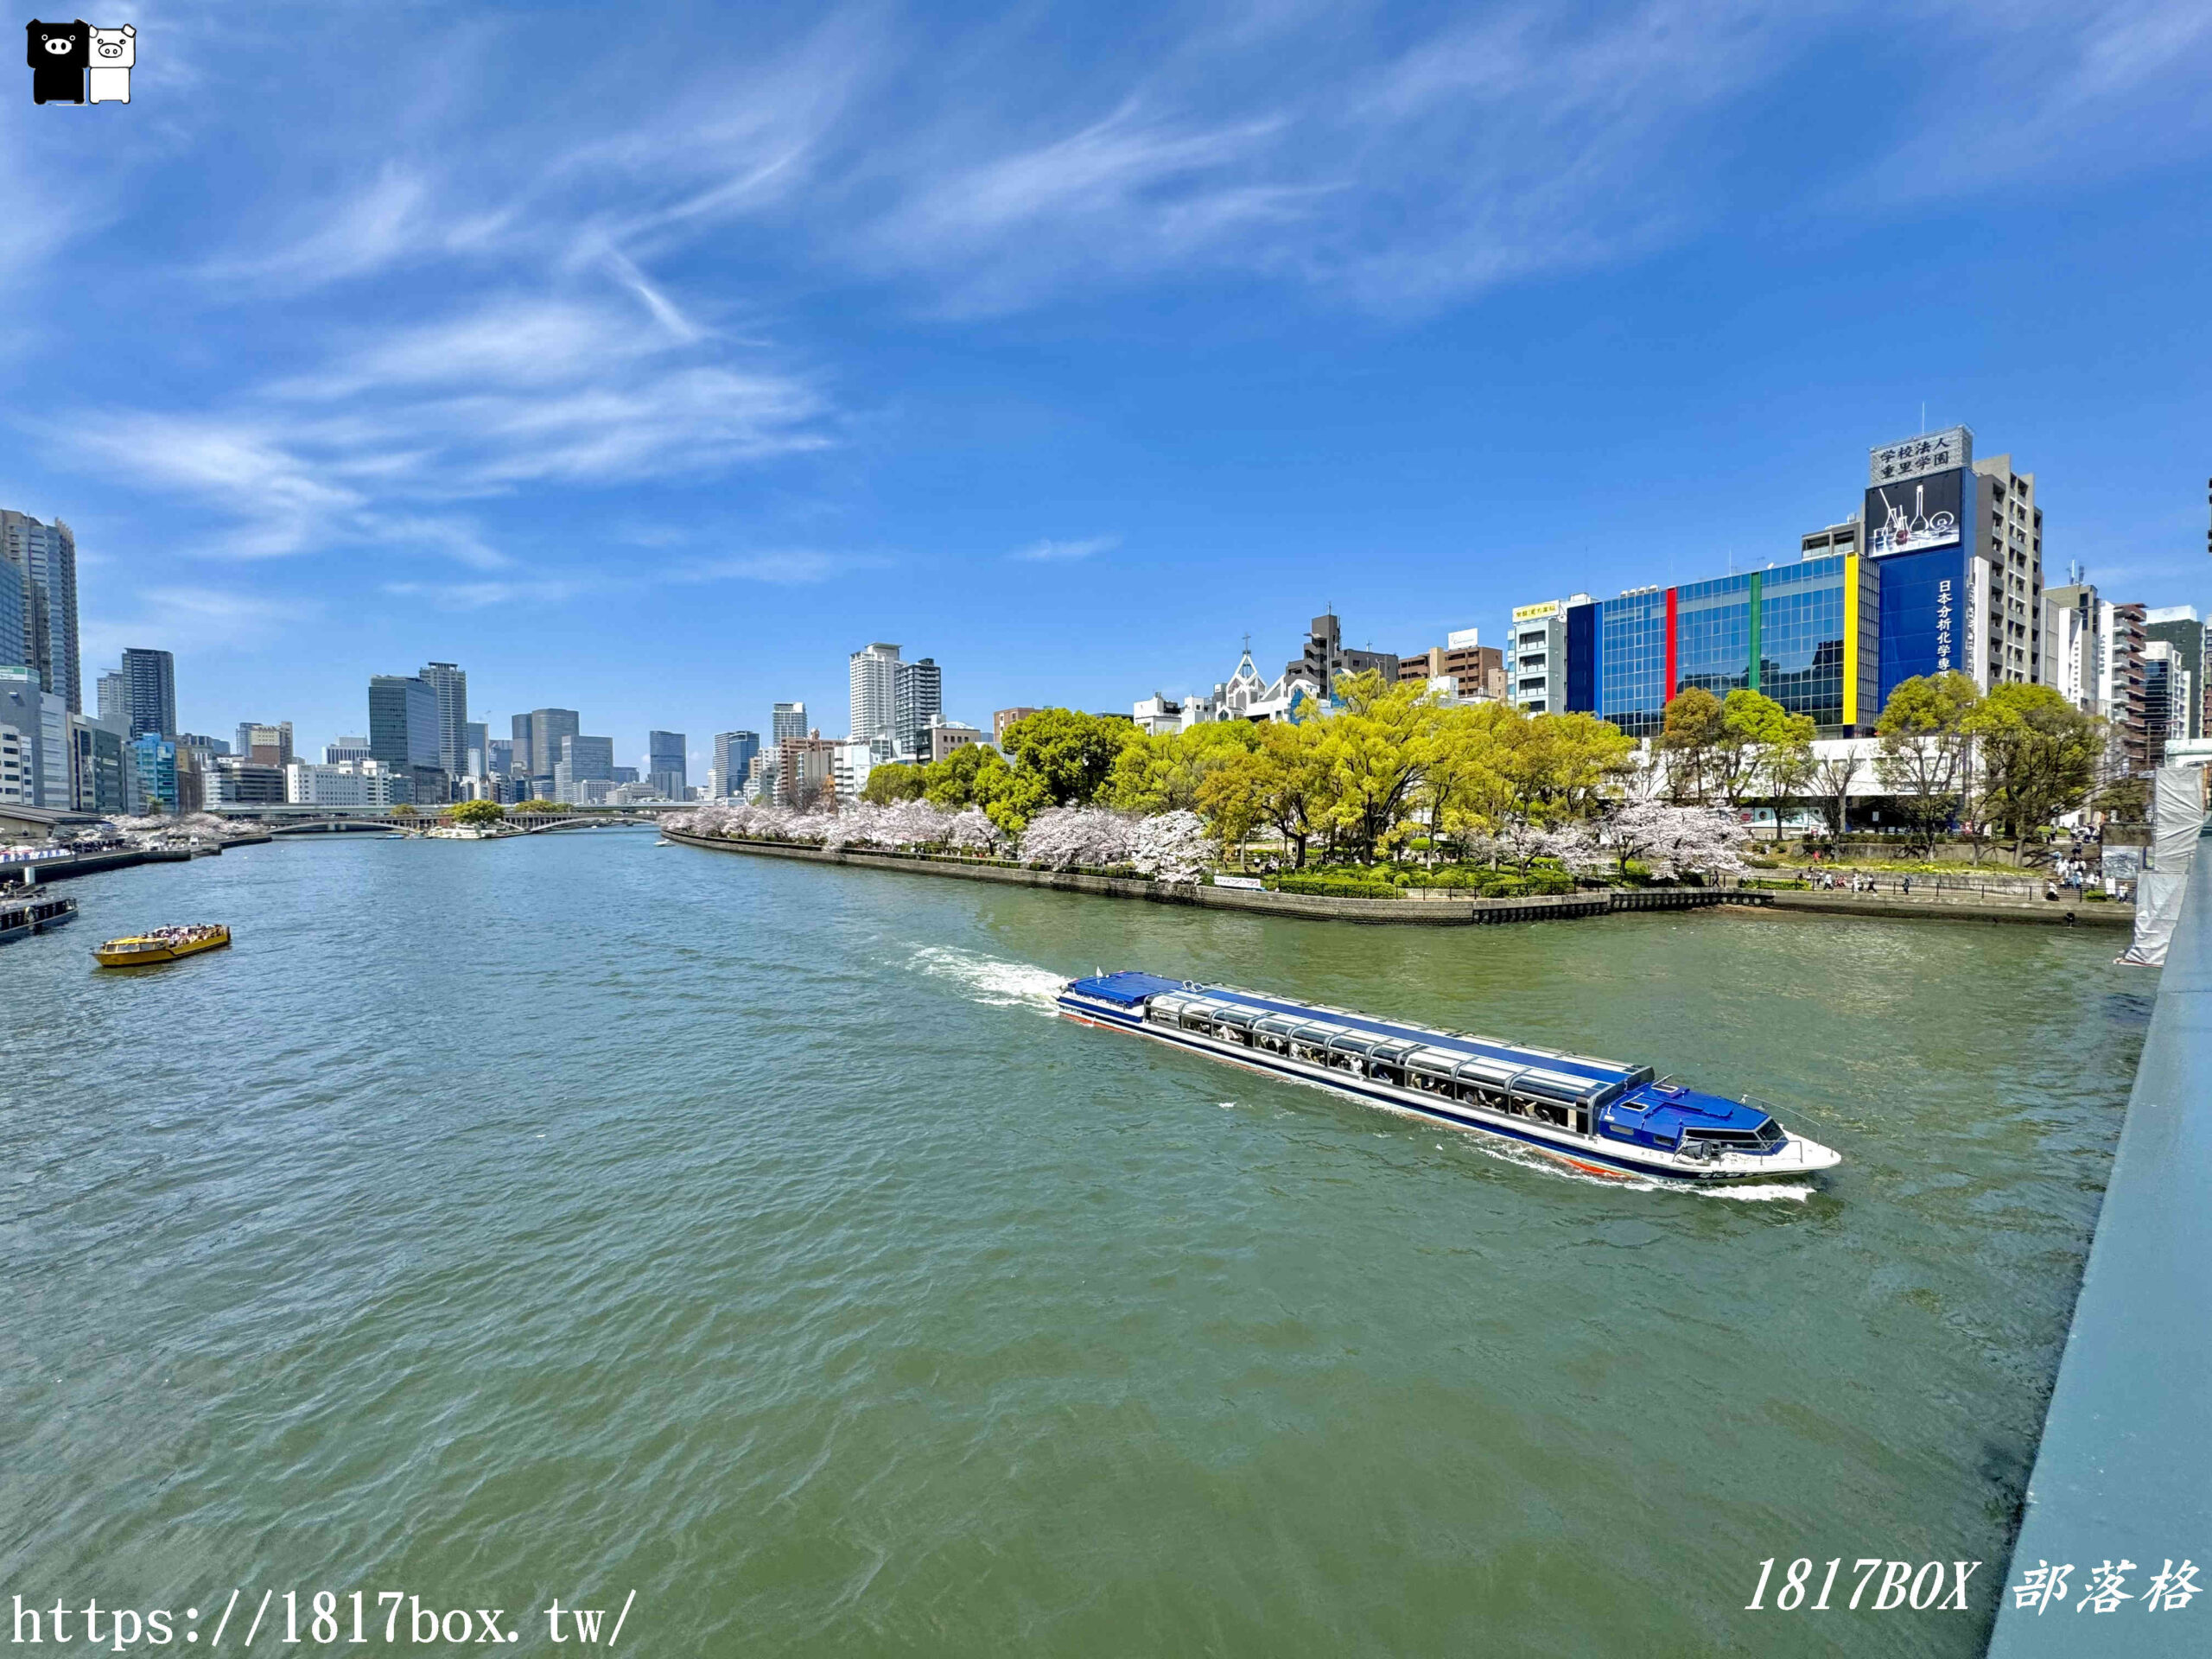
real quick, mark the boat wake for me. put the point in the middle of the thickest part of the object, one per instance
(1754, 1192)
(993, 982)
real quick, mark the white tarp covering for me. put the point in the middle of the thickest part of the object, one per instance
(2176, 820)
(2177, 817)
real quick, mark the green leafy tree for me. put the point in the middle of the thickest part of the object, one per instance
(962, 776)
(1466, 785)
(1755, 732)
(540, 805)
(1374, 751)
(1925, 758)
(1071, 754)
(477, 812)
(2037, 755)
(1561, 766)
(1163, 774)
(892, 782)
(1692, 739)
(1230, 800)
(402, 810)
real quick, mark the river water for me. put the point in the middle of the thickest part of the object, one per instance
(569, 1217)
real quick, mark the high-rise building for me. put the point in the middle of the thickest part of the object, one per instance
(100, 771)
(786, 720)
(584, 762)
(403, 733)
(2008, 580)
(114, 690)
(2073, 645)
(17, 631)
(345, 749)
(499, 757)
(152, 678)
(665, 766)
(920, 705)
(2180, 628)
(2126, 687)
(154, 758)
(451, 686)
(17, 781)
(1960, 545)
(475, 751)
(2168, 688)
(733, 752)
(538, 737)
(47, 556)
(266, 745)
(41, 720)
(873, 676)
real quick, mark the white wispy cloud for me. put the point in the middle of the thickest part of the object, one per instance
(2071, 93)
(214, 619)
(1053, 552)
(480, 595)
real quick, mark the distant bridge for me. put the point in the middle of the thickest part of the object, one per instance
(289, 820)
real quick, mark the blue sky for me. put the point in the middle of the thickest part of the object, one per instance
(648, 360)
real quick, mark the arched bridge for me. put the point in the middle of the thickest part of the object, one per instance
(376, 820)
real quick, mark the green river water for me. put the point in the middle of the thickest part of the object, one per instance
(573, 1216)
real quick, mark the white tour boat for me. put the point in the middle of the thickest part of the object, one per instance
(1598, 1116)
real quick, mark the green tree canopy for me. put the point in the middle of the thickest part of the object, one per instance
(894, 781)
(1071, 754)
(1690, 739)
(476, 812)
(1925, 757)
(2037, 755)
(1164, 773)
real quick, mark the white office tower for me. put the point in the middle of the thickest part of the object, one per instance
(786, 720)
(874, 681)
(2073, 645)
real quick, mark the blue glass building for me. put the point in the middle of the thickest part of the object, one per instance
(1803, 634)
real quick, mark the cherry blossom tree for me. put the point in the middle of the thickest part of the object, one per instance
(1673, 840)
(1062, 837)
(1172, 847)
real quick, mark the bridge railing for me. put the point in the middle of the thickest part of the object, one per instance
(2123, 1473)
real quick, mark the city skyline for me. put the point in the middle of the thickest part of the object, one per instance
(1209, 345)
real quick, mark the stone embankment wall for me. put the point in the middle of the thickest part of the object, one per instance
(40, 871)
(1434, 912)
(1440, 908)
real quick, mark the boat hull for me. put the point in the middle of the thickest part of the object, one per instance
(1610, 1160)
(20, 921)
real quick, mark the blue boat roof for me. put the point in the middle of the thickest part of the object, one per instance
(1127, 988)
(1668, 1110)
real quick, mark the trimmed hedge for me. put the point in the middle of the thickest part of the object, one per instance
(1476, 883)
(1334, 886)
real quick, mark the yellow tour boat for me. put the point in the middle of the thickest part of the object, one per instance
(163, 944)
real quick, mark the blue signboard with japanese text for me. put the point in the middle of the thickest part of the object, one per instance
(1924, 615)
